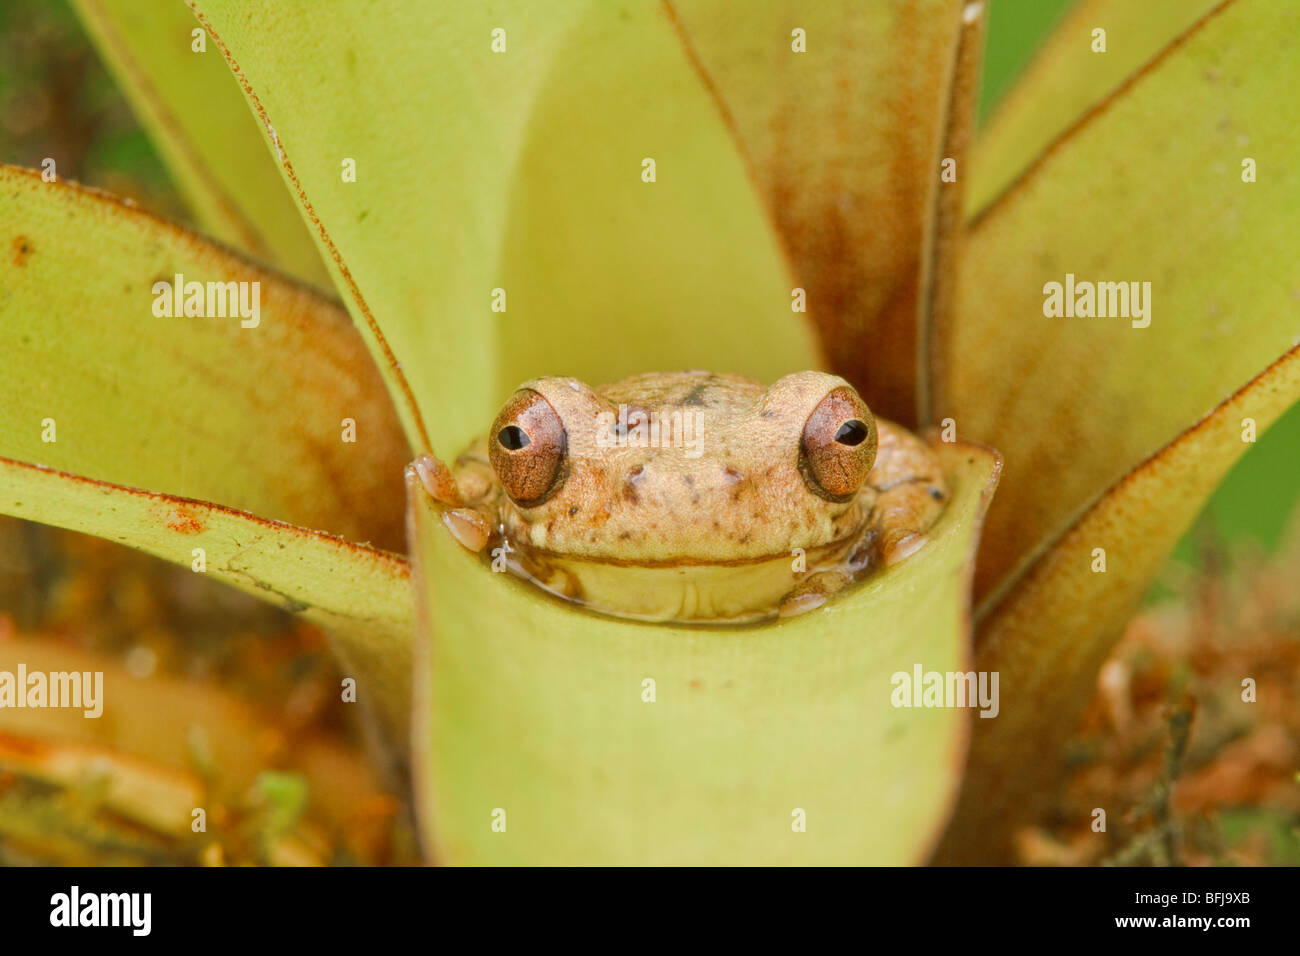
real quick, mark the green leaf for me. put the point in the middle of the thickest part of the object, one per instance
(534, 707)
(191, 406)
(520, 171)
(103, 398)
(1148, 189)
(359, 595)
(1066, 79)
(196, 117)
(1017, 759)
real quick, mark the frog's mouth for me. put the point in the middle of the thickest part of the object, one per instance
(736, 592)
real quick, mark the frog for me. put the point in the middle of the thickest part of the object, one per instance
(690, 497)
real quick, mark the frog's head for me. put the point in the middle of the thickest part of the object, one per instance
(718, 488)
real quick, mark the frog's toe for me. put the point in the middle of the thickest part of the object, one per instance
(794, 603)
(468, 527)
(812, 592)
(904, 512)
(437, 480)
(899, 545)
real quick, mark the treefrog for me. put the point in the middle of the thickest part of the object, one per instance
(690, 497)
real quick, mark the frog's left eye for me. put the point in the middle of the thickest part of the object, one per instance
(839, 445)
(526, 448)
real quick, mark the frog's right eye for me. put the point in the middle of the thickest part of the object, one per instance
(839, 445)
(526, 448)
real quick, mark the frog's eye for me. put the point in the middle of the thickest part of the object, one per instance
(526, 448)
(839, 445)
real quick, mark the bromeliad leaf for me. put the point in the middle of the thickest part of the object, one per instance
(1089, 389)
(1014, 760)
(107, 397)
(196, 116)
(199, 407)
(530, 706)
(596, 222)
(1074, 402)
(1069, 76)
(841, 111)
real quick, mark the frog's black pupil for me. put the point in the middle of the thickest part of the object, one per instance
(513, 438)
(851, 433)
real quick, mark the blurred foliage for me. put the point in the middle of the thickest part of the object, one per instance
(1187, 771)
(57, 100)
(1015, 29)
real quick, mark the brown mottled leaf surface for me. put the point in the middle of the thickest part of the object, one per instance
(843, 143)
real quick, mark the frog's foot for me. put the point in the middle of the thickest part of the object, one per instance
(812, 592)
(466, 525)
(438, 481)
(904, 513)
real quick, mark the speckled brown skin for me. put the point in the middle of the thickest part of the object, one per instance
(733, 491)
(743, 496)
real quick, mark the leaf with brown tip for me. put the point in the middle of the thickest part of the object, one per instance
(844, 143)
